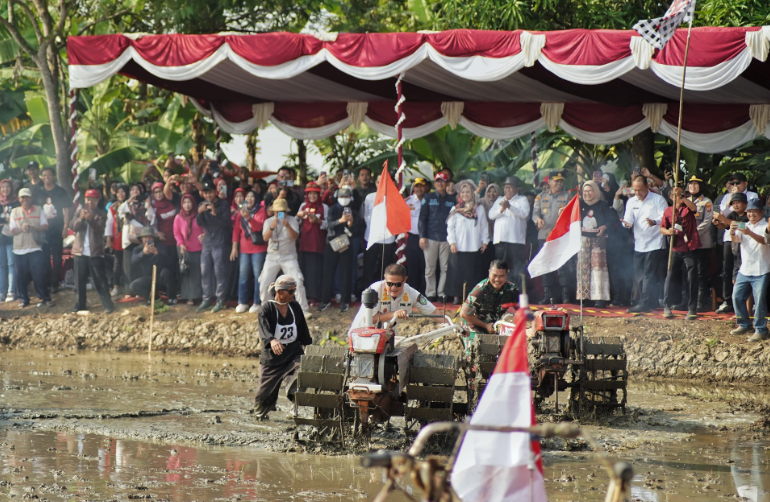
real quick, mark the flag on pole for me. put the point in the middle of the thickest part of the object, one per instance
(659, 31)
(562, 244)
(497, 466)
(390, 215)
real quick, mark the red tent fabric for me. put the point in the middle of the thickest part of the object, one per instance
(601, 86)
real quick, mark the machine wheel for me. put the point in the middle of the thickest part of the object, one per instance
(431, 388)
(484, 354)
(602, 379)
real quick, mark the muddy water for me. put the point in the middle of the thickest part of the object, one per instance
(103, 426)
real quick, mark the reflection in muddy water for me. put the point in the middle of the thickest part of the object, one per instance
(117, 426)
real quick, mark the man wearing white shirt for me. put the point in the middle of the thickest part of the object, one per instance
(510, 213)
(736, 184)
(754, 273)
(415, 258)
(643, 213)
(382, 253)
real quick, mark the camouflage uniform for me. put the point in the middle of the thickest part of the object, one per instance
(486, 303)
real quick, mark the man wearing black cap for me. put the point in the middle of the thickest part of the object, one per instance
(143, 258)
(704, 210)
(731, 257)
(510, 213)
(214, 219)
(548, 205)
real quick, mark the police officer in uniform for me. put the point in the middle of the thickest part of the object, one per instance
(703, 216)
(548, 206)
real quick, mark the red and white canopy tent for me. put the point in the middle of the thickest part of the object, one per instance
(601, 86)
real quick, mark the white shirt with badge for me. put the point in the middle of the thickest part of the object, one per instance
(646, 238)
(281, 242)
(408, 299)
(414, 204)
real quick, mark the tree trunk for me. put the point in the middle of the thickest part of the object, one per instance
(643, 150)
(60, 136)
(302, 161)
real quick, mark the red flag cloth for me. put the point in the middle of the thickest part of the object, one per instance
(562, 244)
(497, 466)
(390, 215)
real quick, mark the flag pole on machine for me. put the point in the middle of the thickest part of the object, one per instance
(679, 138)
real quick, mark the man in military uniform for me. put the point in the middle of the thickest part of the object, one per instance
(484, 305)
(703, 216)
(548, 206)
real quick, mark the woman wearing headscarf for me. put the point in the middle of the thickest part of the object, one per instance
(8, 201)
(489, 197)
(249, 243)
(113, 231)
(593, 279)
(312, 239)
(188, 236)
(239, 196)
(164, 221)
(283, 332)
(467, 235)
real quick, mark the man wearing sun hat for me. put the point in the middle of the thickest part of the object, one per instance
(433, 235)
(88, 249)
(415, 258)
(548, 206)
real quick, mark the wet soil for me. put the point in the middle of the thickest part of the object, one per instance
(108, 424)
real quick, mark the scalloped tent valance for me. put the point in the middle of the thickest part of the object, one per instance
(601, 86)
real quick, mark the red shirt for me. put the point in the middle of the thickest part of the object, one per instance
(687, 239)
(256, 223)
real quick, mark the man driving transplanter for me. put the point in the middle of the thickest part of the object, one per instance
(484, 306)
(396, 299)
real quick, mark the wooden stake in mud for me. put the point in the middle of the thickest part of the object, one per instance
(679, 141)
(152, 307)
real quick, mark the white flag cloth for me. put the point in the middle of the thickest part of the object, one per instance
(498, 466)
(658, 31)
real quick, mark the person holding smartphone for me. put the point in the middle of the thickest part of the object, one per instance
(214, 220)
(731, 257)
(680, 225)
(281, 231)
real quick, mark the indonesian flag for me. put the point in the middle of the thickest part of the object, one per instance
(659, 31)
(563, 243)
(499, 466)
(390, 215)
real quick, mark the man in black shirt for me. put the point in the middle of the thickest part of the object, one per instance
(365, 185)
(731, 262)
(143, 258)
(56, 206)
(35, 184)
(283, 331)
(214, 219)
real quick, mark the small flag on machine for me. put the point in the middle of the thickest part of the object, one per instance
(659, 31)
(390, 215)
(562, 244)
(499, 466)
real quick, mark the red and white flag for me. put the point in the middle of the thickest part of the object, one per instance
(390, 215)
(563, 243)
(498, 466)
(659, 31)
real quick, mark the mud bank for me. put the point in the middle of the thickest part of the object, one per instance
(701, 350)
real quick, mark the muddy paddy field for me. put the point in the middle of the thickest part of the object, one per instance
(94, 417)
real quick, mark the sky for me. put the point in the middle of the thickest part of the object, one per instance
(274, 146)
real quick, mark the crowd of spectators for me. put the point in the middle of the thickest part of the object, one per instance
(215, 236)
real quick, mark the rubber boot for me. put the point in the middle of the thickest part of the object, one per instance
(566, 297)
(704, 301)
(547, 295)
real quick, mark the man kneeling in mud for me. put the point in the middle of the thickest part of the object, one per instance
(284, 333)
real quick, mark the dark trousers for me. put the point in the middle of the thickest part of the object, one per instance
(565, 277)
(515, 256)
(731, 263)
(375, 261)
(164, 281)
(649, 269)
(689, 288)
(702, 265)
(213, 263)
(52, 253)
(415, 263)
(118, 276)
(31, 266)
(270, 379)
(85, 265)
(331, 260)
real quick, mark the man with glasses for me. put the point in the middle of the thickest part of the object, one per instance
(397, 299)
(284, 334)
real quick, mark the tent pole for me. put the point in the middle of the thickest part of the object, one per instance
(679, 141)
